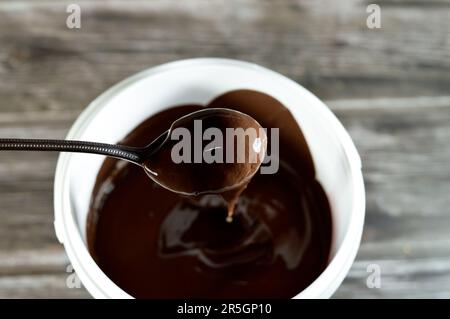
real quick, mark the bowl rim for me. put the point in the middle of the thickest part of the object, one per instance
(90, 275)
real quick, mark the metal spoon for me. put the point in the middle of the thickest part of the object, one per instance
(183, 178)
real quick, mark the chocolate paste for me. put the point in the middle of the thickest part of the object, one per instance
(221, 162)
(156, 244)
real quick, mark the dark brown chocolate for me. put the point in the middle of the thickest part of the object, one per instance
(156, 244)
(221, 162)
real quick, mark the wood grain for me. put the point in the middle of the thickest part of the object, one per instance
(390, 87)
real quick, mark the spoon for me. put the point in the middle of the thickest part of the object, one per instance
(196, 174)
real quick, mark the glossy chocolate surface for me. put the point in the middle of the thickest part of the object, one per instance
(156, 244)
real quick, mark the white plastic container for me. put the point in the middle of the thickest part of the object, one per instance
(117, 111)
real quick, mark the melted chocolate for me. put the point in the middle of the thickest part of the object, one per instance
(221, 163)
(156, 244)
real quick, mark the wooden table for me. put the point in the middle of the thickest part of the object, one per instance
(390, 87)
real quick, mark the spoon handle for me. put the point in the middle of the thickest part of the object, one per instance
(131, 154)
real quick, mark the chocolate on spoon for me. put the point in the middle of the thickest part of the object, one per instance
(215, 150)
(222, 151)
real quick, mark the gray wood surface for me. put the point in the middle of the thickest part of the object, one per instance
(389, 86)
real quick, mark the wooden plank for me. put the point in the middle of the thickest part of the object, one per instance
(322, 44)
(38, 273)
(22, 262)
(39, 286)
(412, 278)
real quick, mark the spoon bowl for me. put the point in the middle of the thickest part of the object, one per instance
(213, 150)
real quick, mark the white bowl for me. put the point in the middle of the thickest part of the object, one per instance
(111, 116)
